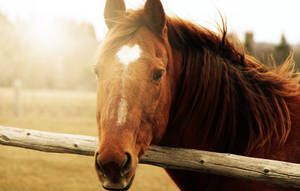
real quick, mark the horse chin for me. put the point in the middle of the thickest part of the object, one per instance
(122, 185)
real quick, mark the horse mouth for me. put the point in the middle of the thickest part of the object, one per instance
(120, 186)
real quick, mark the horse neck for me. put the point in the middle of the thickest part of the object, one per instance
(194, 115)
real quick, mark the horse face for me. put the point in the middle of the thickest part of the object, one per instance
(133, 95)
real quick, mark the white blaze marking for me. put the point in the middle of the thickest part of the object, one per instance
(122, 111)
(126, 55)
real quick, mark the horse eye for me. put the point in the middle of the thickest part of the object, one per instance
(157, 75)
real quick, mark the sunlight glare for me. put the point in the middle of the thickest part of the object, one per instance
(45, 35)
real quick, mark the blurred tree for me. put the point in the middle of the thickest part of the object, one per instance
(63, 62)
(8, 60)
(282, 50)
(249, 43)
(297, 56)
(264, 52)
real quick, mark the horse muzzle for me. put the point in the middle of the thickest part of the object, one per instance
(115, 170)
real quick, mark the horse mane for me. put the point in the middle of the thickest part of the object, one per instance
(223, 93)
(228, 95)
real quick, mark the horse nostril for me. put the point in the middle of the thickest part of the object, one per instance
(127, 164)
(98, 165)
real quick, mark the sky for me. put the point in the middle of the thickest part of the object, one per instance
(268, 19)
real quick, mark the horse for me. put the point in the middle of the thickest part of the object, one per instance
(169, 82)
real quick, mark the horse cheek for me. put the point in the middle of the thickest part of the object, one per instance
(144, 139)
(161, 116)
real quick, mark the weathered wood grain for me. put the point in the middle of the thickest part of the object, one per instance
(276, 172)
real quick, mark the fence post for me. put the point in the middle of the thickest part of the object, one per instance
(17, 89)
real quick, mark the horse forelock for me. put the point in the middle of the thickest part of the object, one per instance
(125, 28)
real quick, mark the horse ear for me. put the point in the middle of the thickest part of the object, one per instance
(155, 16)
(113, 10)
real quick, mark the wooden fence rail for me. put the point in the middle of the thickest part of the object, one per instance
(276, 172)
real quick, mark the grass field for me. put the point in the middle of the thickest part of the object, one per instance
(63, 112)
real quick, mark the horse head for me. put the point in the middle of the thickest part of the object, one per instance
(134, 89)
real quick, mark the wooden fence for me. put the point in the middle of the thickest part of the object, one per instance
(276, 172)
